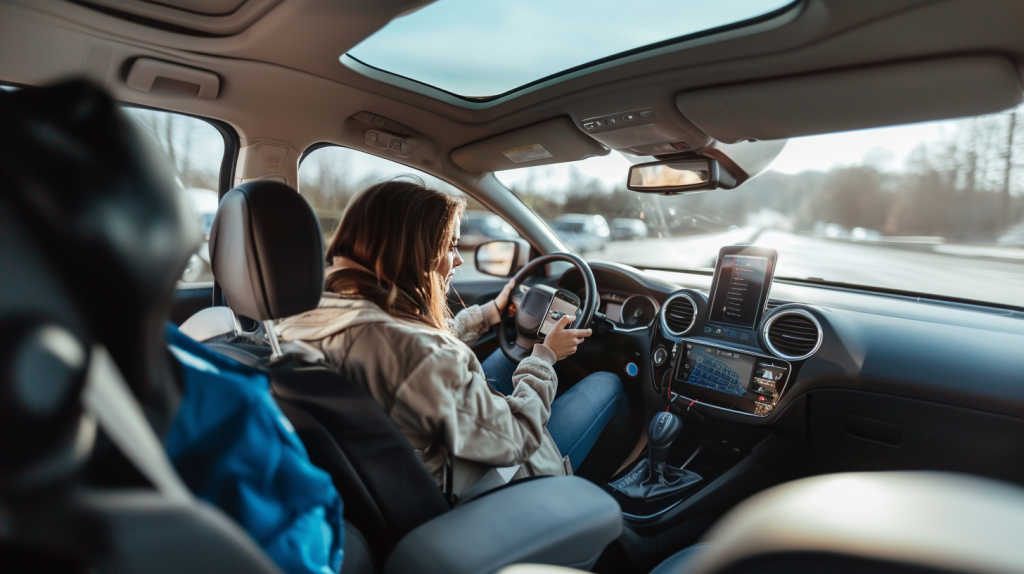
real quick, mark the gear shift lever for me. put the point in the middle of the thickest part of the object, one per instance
(664, 429)
(653, 478)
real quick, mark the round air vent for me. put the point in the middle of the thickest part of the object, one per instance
(793, 334)
(678, 314)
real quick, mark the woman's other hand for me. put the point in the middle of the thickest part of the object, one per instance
(502, 299)
(562, 341)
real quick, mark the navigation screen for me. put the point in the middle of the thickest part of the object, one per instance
(719, 369)
(740, 283)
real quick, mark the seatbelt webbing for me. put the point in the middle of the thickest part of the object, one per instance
(108, 398)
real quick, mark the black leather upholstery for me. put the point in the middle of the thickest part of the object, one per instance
(106, 213)
(94, 237)
(266, 249)
(387, 490)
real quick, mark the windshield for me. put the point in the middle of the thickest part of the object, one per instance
(935, 208)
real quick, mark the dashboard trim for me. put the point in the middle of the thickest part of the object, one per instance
(792, 311)
(664, 323)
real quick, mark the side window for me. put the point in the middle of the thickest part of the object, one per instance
(329, 177)
(196, 149)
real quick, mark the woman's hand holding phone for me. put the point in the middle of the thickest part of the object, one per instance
(562, 341)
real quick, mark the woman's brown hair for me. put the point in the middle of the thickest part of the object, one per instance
(400, 230)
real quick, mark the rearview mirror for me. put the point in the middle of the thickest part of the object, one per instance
(502, 258)
(674, 176)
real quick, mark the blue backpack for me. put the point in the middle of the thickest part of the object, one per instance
(235, 449)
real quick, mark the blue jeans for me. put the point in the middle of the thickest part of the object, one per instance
(578, 416)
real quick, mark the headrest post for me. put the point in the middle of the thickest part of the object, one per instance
(238, 324)
(275, 345)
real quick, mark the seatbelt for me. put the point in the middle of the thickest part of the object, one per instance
(107, 397)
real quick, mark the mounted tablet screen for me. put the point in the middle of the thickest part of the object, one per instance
(743, 277)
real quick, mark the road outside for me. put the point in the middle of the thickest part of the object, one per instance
(984, 273)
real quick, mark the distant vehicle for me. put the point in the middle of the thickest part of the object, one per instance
(483, 226)
(204, 203)
(831, 231)
(863, 234)
(582, 233)
(625, 228)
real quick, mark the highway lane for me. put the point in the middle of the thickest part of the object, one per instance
(946, 274)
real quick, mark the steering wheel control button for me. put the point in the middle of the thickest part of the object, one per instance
(631, 369)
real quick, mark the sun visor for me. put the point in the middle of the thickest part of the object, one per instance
(553, 141)
(860, 98)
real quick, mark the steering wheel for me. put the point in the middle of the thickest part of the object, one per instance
(532, 305)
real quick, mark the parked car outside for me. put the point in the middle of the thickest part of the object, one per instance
(623, 228)
(582, 233)
(483, 226)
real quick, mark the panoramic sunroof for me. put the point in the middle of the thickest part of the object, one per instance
(484, 48)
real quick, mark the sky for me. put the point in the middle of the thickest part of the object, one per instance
(514, 43)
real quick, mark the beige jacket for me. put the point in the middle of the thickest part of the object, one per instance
(434, 388)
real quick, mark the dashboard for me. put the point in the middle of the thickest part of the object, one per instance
(801, 338)
(776, 378)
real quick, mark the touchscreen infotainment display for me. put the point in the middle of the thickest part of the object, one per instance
(737, 296)
(718, 369)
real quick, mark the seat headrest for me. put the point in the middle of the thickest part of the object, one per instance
(100, 199)
(267, 251)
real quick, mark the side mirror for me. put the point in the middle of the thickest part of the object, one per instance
(677, 176)
(502, 258)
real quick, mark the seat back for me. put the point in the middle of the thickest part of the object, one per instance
(267, 254)
(387, 490)
(93, 239)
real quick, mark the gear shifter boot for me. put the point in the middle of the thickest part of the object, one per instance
(640, 483)
(653, 477)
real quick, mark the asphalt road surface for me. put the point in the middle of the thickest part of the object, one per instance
(978, 273)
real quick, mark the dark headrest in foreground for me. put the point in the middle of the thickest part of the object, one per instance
(267, 249)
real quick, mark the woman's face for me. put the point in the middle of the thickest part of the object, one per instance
(451, 259)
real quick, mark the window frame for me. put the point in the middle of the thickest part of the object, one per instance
(226, 177)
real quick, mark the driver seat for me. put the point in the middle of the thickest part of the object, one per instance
(266, 249)
(389, 494)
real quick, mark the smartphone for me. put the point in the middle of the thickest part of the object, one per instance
(563, 303)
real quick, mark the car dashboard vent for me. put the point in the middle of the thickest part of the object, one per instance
(678, 314)
(793, 334)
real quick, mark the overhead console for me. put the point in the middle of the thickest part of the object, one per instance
(725, 349)
(641, 132)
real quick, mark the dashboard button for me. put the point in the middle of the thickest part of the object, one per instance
(707, 329)
(631, 369)
(744, 336)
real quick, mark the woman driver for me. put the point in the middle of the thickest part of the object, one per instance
(385, 323)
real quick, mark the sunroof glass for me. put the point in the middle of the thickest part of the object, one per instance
(484, 48)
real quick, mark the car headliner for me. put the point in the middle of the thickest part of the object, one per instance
(282, 83)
